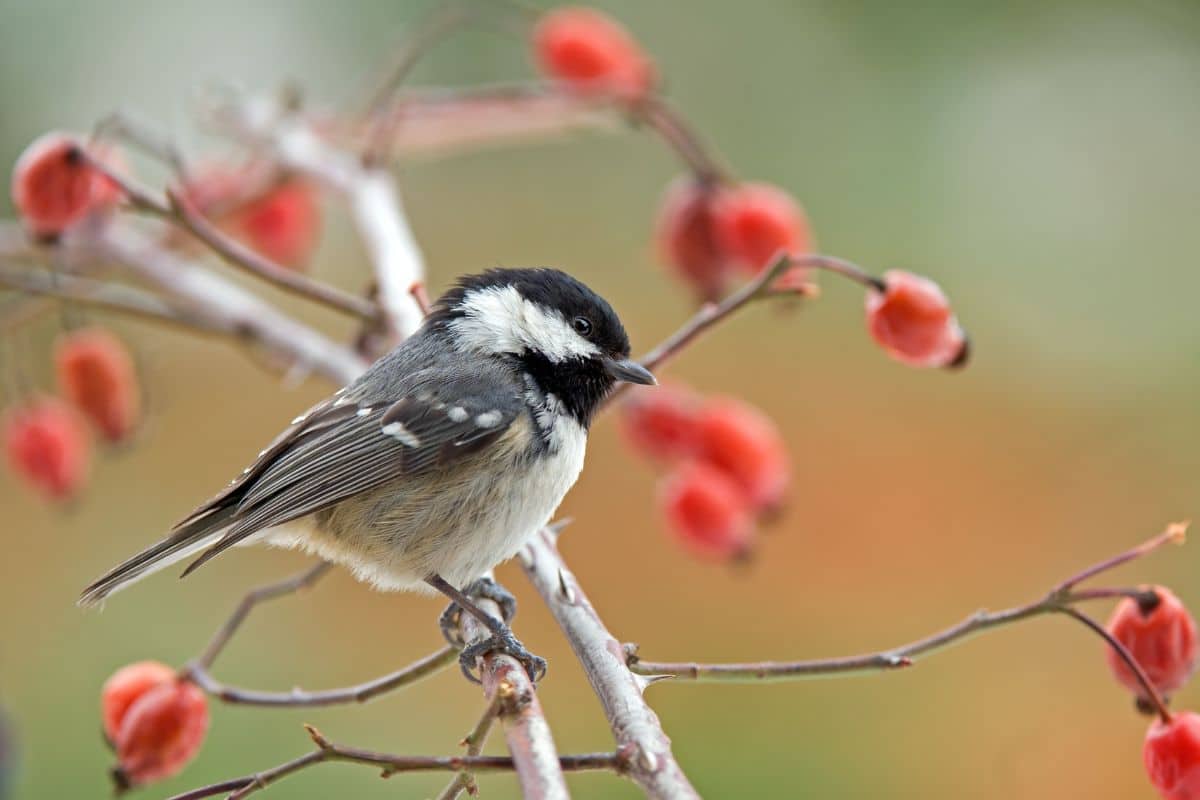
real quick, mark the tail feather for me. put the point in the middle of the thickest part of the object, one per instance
(183, 542)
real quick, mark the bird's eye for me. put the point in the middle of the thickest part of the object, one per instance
(582, 326)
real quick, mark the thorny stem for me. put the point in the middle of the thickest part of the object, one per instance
(526, 732)
(1058, 600)
(388, 764)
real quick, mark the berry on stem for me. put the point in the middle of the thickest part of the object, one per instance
(48, 446)
(1171, 754)
(912, 321)
(283, 224)
(662, 423)
(1160, 634)
(125, 686)
(687, 239)
(707, 512)
(745, 444)
(754, 222)
(53, 186)
(592, 53)
(96, 373)
(160, 733)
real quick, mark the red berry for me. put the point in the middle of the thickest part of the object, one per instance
(913, 322)
(96, 373)
(707, 512)
(754, 222)
(744, 443)
(687, 239)
(591, 52)
(48, 446)
(661, 423)
(1160, 636)
(125, 686)
(53, 188)
(282, 224)
(161, 731)
(1172, 756)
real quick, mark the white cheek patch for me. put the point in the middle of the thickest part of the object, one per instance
(499, 320)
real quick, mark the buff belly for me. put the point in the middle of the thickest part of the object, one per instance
(458, 524)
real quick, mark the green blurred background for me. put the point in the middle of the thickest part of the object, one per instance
(1037, 159)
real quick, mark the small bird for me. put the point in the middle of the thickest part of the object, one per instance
(440, 461)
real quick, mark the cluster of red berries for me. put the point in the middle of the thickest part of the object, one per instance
(55, 187)
(47, 439)
(154, 719)
(711, 230)
(728, 466)
(1159, 633)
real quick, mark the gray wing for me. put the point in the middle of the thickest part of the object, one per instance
(347, 446)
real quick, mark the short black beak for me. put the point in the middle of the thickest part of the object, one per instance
(629, 371)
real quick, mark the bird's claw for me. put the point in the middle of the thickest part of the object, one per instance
(485, 588)
(501, 641)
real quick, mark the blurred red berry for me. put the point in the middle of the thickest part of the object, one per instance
(754, 222)
(1172, 756)
(591, 52)
(160, 733)
(662, 422)
(125, 686)
(707, 512)
(283, 224)
(47, 445)
(745, 444)
(53, 187)
(1161, 637)
(97, 374)
(687, 239)
(913, 322)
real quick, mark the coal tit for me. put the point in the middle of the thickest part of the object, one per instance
(441, 460)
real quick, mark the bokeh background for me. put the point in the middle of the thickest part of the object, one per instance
(1037, 159)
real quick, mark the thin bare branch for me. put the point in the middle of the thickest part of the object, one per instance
(1058, 600)
(474, 742)
(389, 765)
(640, 737)
(299, 698)
(261, 594)
(176, 209)
(98, 294)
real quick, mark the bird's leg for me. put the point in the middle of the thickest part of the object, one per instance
(502, 638)
(480, 588)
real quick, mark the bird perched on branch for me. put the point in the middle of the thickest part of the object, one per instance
(440, 461)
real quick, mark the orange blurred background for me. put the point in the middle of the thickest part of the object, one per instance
(1037, 160)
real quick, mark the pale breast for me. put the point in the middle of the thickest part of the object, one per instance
(458, 524)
